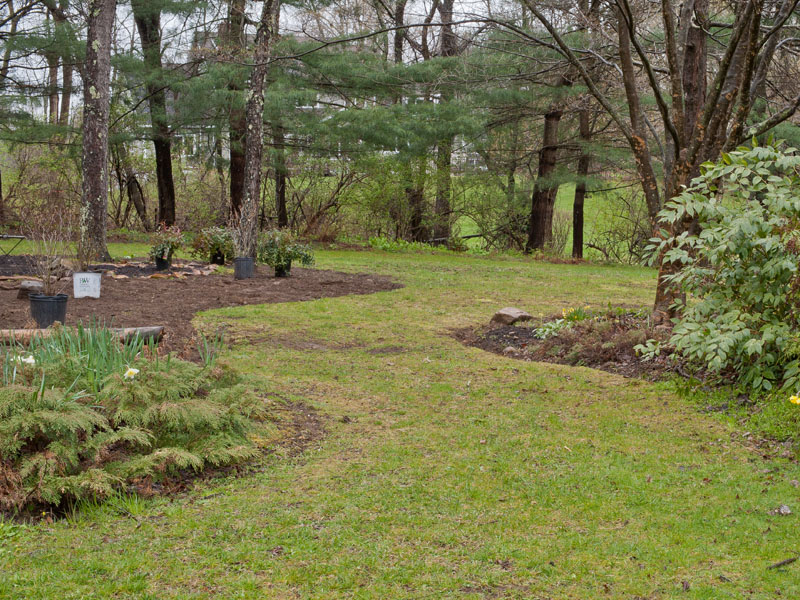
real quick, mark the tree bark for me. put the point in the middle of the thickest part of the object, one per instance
(441, 206)
(444, 149)
(248, 216)
(237, 122)
(96, 97)
(580, 187)
(66, 66)
(278, 139)
(52, 87)
(2, 202)
(148, 23)
(540, 223)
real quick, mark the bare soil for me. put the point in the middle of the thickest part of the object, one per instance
(143, 298)
(605, 342)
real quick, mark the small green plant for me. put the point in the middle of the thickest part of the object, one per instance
(166, 241)
(398, 245)
(580, 313)
(209, 347)
(551, 328)
(278, 249)
(214, 244)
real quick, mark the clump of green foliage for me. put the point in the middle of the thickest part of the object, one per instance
(214, 244)
(739, 271)
(399, 245)
(570, 316)
(165, 242)
(278, 249)
(79, 421)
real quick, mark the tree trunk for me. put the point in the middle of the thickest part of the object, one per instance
(415, 194)
(280, 177)
(2, 202)
(96, 97)
(66, 94)
(148, 23)
(399, 34)
(580, 187)
(66, 66)
(540, 224)
(441, 207)
(52, 87)
(136, 197)
(444, 149)
(237, 122)
(248, 216)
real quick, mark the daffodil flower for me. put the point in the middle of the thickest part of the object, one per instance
(28, 360)
(795, 399)
(130, 373)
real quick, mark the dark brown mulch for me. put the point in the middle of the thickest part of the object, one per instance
(23, 264)
(604, 343)
(172, 302)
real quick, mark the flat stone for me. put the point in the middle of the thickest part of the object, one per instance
(509, 316)
(29, 287)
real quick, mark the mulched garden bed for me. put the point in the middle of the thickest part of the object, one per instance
(604, 342)
(135, 297)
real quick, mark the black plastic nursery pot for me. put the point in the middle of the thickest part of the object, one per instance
(46, 310)
(243, 267)
(162, 264)
(283, 270)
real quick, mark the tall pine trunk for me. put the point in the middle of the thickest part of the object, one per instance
(148, 23)
(441, 207)
(540, 223)
(580, 187)
(237, 122)
(96, 98)
(444, 148)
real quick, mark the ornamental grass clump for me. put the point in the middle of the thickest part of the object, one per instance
(738, 268)
(80, 420)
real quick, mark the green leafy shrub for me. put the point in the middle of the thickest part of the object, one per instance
(165, 242)
(145, 419)
(213, 244)
(740, 270)
(278, 249)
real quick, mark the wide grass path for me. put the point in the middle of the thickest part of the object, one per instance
(446, 472)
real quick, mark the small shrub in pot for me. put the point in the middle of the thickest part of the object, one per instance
(279, 249)
(214, 244)
(167, 240)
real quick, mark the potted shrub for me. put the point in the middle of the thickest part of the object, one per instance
(49, 236)
(279, 249)
(244, 265)
(167, 240)
(214, 244)
(85, 283)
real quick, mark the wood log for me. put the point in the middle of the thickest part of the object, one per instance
(24, 336)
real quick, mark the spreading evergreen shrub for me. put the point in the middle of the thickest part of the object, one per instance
(64, 436)
(738, 266)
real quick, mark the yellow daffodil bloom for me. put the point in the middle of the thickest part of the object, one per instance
(795, 399)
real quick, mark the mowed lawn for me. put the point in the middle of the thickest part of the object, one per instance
(445, 472)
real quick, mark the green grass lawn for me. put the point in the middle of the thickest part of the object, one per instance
(456, 474)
